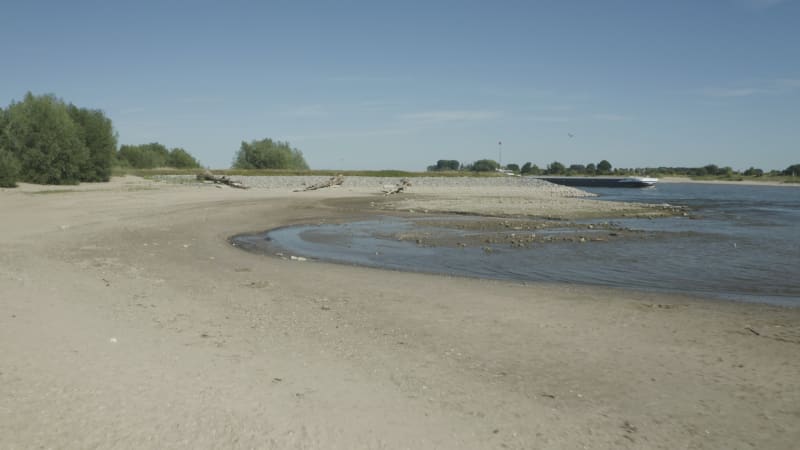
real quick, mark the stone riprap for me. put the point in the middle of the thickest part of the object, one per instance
(420, 185)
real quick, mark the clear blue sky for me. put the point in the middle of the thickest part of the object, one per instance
(400, 84)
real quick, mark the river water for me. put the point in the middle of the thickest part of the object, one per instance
(739, 243)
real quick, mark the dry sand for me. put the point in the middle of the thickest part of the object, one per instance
(128, 321)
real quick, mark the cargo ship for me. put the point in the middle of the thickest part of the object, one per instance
(626, 182)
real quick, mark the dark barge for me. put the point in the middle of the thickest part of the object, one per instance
(625, 182)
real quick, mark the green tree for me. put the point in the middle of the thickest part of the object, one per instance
(530, 169)
(698, 171)
(3, 123)
(792, 171)
(45, 140)
(555, 168)
(146, 156)
(513, 167)
(447, 164)
(181, 159)
(98, 136)
(604, 167)
(485, 165)
(591, 169)
(753, 172)
(577, 169)
(9, 168)
(269, 154)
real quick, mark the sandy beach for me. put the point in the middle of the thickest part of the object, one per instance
(129, 321)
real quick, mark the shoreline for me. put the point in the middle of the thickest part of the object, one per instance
(130, 321)
(742, 182)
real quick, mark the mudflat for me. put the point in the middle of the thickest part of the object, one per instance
(128, 320)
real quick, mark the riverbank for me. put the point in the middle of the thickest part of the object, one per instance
(129, 321)
(743, 182)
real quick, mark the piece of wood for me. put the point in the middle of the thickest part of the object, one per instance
(397, 188)
(333, 181)
(222, 179)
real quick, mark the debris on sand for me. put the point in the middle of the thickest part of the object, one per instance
(389, 189)
(334, 181)
(222, 179)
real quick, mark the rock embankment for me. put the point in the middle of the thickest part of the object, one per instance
(483, 196)
(419, 185)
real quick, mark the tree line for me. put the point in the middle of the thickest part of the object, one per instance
(605, 168)
(45, 140)
(555, 168)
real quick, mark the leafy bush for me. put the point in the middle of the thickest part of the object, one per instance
(530, 169)
(753, 172)
(576, 169)
(604, 167)
(792, 171)
(485, 165)
(147, 156)
(555, 168)
(269, 154)
(445, 164)
(9, 169)
(181, 159)
(98, 136)
(45, 140)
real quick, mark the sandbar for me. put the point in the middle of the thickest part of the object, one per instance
(128, 320)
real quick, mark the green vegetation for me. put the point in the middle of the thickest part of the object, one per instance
(556, 168)
(181, 159)
(153, 155)
(47, 141)
(604, 167)
(269, 154)
(9, 169)
(530, 169)
(97, 134)
(145, 156)
(445, 164)
(708, 172)
(483, 165)
(792, 171)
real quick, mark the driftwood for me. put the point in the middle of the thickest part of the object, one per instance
(222, 179)
(752, 331)
(332, 182)
(389, 189)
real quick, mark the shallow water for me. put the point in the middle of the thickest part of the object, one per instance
(742, 243)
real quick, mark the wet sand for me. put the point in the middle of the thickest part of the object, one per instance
(129, 321)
